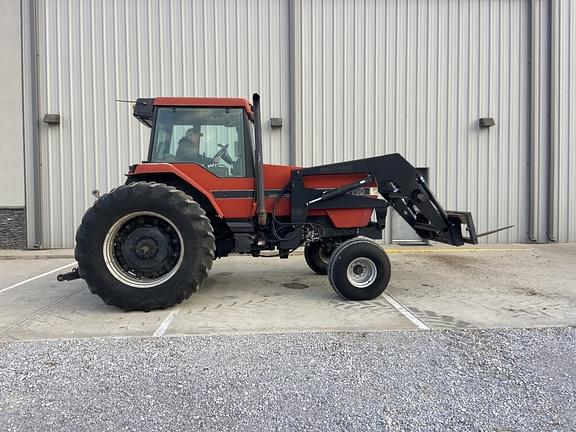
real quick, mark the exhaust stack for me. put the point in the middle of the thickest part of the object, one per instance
(259, 169)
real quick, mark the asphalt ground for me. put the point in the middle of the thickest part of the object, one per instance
(267, 345)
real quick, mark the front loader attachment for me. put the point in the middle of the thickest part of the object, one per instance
(467, 222)
(401, 187)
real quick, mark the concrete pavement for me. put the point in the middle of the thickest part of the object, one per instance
(505, 286)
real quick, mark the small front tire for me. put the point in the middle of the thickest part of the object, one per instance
(318, 253)
(317, 256)
(359, 269)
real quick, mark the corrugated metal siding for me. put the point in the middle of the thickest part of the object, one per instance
(414, 77)
(93, 52)
(564, 122)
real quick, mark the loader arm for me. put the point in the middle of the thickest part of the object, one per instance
(404, 189)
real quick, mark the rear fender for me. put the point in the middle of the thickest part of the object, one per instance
(167, 174)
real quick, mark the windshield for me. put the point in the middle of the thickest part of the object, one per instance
(211, 137)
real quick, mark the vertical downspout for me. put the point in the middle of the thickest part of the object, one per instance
(553, 106)
(532, 235)
(292, 80)
(33, 187)
(541, 94)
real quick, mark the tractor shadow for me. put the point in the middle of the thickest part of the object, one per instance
(248, 277)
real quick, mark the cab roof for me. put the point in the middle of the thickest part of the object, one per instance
(143, 108)
(204, 102)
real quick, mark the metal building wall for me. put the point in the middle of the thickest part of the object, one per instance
(374, 77)
(368, 77)
(93, 52)
(12, 198)
(563, 119)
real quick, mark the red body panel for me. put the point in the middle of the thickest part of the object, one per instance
(276, 177)
(350, 218)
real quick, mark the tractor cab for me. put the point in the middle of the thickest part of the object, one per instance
(212, 132)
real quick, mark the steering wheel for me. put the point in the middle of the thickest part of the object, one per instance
(223, 154)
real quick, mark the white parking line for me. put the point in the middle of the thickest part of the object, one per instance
(166, 323)
(396, 305)
(36, 277)
(40, 312)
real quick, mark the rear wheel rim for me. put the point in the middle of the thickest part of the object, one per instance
(361, 272)
(143, 249)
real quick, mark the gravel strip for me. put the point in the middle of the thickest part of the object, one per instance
(484, 380)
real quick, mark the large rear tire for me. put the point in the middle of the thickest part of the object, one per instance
(144, 246)
(359, 269)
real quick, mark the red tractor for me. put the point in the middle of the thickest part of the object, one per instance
(204, 193)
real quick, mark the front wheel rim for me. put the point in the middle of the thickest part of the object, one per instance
(143, 249)
(361, 272)
(323, 254)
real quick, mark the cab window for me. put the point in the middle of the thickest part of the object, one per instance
(210, 137)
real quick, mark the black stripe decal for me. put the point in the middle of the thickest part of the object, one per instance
(223, 194)
(233, 194)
